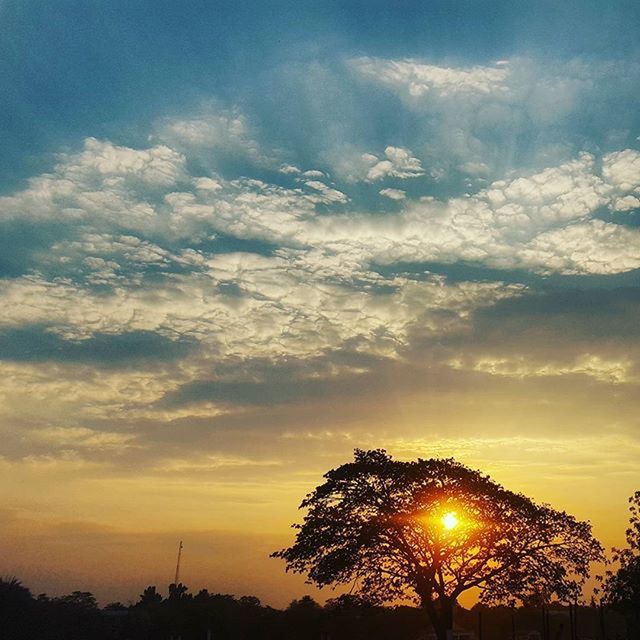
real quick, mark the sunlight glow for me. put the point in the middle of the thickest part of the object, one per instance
(449, 521)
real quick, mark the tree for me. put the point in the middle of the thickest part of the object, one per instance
(621, 589)
(79, 599)
(249, 601)
(431, 529)
(304, 618)
(150, 597)
(17, 610)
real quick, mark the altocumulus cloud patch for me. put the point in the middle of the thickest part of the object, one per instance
(210, 249)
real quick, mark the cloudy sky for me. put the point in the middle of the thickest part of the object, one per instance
(238, 240)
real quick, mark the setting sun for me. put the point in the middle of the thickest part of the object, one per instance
(450, 521)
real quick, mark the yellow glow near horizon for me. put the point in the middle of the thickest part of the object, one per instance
(450, 521)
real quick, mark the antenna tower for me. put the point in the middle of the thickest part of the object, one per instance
(175, 581)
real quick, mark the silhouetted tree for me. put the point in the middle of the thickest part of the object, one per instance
(249, 601)
(149, 597)
(303, 618)
(349, 602)
(178, 592)
(622, 587)
(17, 609)
(346, 617)
(432, 529)
(74, 616)
(80, 599)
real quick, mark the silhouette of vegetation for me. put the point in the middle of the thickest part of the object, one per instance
(429, 530)
(224, 617)
(622, 587)
(73, 617)
(451, 503)
(17, 607)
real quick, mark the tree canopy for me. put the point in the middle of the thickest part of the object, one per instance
(429, 530)
(622, 587)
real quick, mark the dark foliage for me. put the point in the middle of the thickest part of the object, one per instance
(622, 587)
(72, 617)
(225, 617)
(377, 523)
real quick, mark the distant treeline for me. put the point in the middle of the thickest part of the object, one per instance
(208, 616)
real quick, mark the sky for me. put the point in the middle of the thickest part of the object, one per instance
(240, 239)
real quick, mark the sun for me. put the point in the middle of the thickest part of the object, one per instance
(449, 521)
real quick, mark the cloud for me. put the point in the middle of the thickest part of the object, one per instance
(554, 333)
(317, 289)
(327, 193)
(612, 371)
(398, 162)
(206, 279)
(36, 344)
(159, 165)
(66, 438)
(478, 122)
(621, 170)
(214, 134)
(393, 194)
(589, 247)
(102, 182)
(540, 222)
(419, 80)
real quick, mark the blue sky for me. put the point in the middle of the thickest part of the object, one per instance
(238, 240)
(74, 69)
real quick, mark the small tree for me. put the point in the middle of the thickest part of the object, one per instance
(431, 529)
(622, 587)
(149, 597)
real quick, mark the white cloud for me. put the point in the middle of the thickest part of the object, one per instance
(522, 113)
(399, 163)
(207, 184)
(138, 251)
(418, 79)
(591, 365)
(316, 291)
(289, 169)
(354, 166)
(101, 182)
(589, 247)
(159, 165)
(296, 303)
(626, 203)
(314, 173)
(621, 170)
(393, 194)
(540, 222)
(327, 193)
(225, 132)
(240, 307)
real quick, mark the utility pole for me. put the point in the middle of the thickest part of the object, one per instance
(175, 581)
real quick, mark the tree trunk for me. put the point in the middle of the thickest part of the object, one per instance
(440, 616)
